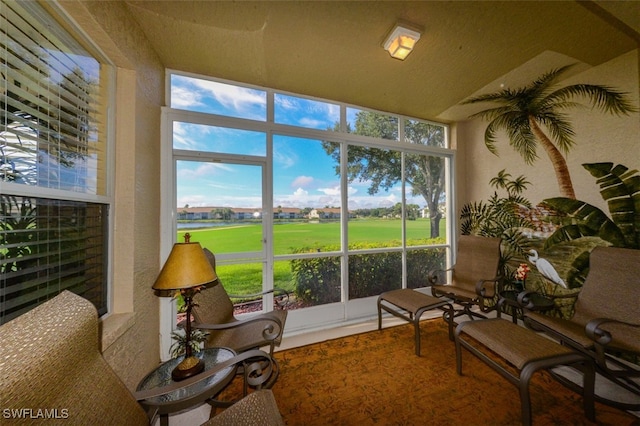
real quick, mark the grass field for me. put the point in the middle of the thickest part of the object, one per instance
(247, 278)
(289, 236)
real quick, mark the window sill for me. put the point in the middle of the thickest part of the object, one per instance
(114, 326)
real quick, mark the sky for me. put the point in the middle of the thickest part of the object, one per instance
(304, 174)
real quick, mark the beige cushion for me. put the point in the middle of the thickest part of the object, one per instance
(50, 360)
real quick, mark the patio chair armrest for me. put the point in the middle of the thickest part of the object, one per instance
(483, 289)
(276, 293)
(432, 277)
(603, 337)
(524, 299)
(270, 331)
(260, 368)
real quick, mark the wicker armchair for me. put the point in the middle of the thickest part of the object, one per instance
(50, 360)
(214, 314)
(256, 409)
(475, 276)
(606, 319)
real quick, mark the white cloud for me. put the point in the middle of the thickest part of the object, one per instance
(335, 191)
(284, 160)
(300, 193)
(184, 97)
(233, 97)
(302, 181)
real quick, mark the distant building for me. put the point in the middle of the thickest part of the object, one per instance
(241, 213)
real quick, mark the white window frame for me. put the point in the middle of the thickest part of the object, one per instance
(314, 317)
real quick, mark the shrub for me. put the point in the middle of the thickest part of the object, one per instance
(317, 280)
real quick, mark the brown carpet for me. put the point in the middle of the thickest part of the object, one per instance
(375, 378)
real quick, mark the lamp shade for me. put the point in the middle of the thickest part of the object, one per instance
(186, 267)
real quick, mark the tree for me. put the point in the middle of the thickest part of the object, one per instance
(524, 112)
(383, 168)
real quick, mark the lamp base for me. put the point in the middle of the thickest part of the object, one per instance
(188, 367)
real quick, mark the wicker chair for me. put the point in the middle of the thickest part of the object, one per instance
(475, 276)
(256, 409)
(50, 360)
(606, 319)
(214, 314)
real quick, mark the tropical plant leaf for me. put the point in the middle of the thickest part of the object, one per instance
(620, 188)
(579, 270)
(591, 222)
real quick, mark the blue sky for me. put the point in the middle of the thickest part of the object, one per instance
(304, 175)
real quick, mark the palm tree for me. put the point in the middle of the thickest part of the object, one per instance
(524, 112)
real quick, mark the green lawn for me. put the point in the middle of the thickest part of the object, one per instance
(247, 278)
(288, 236)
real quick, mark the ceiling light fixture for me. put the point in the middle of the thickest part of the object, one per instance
(401, 40)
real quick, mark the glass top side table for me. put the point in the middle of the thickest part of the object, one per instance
(191, 395)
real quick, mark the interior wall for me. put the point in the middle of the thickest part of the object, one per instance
(133, 349)
(600, 137)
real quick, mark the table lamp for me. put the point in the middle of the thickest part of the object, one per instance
(187, 270)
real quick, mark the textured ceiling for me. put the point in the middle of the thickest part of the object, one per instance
(332, 49)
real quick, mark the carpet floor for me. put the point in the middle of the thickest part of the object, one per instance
(376, 378)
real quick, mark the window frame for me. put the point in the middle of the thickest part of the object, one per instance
(358, 307)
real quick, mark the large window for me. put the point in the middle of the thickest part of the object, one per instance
(338, 203)
(53, 169)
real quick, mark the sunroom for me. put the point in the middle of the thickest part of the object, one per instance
(276, 118)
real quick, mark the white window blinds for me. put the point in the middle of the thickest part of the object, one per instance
(52, 133)
(53, 233)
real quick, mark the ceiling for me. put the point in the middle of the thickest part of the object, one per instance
(332, 49)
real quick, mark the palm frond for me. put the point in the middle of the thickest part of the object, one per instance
(490, 137)
(493, 113)
(522, 139)
(547, 79)
(560, 128)
(604, 98)
(504, 96)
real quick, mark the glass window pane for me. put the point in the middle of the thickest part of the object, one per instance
(200, 95)
(316, 280)
(425, 197)
(421, 262)
(200, 137)
(374, 124)
(420, 132)
(375, 197)
(220, 205)
(372, 274)
(243, 282)
(306, 195)
(307, 113)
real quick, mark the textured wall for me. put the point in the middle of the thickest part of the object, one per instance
(137, 186)
(600, 137)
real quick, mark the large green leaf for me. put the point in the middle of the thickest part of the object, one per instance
(620, 188)
(584, 220)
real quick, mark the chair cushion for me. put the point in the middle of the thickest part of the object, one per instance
(50, 359)
(611, 289)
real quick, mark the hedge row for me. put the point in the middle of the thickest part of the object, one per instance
(317, 280)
